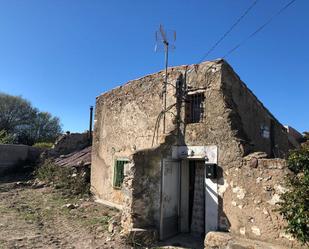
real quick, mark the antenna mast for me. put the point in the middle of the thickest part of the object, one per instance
(162, 38)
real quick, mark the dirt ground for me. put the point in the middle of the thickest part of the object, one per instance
(41, 217)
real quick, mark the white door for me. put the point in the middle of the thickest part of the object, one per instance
(169, 224)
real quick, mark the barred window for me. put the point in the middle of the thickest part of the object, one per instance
(195, 108)
(119, 173)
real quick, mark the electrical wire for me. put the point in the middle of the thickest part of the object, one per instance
(260, 28)
(228, 31)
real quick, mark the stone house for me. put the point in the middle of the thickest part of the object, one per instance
(189, 167)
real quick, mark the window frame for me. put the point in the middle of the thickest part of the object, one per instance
(192, 99)
(124, 161)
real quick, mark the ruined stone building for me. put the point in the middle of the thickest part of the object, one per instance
(189, 167)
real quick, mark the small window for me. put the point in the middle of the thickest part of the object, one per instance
(195, 108)
(119, 173)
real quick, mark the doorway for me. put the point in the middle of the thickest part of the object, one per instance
(197, 197)
(192, 197)
(185, 193)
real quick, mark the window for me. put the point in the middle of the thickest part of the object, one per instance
(119, 173)
(195, 108)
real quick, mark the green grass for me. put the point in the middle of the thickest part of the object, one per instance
(94, 221)
(43, 145)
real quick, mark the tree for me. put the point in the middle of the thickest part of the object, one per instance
(44, 128)
(294, 205)
(25, 123)
(15, 112)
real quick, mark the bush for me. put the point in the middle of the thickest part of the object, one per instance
(6, 138)
(43, 145)
(294, 205)
(69, 180)
(298, 160)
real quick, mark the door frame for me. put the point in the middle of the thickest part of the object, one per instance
(163, 160)
(208, 153)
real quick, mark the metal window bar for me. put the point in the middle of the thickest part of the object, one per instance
(195, 108)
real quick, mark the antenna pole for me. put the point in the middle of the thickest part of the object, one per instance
(162, 36)
(165, 83)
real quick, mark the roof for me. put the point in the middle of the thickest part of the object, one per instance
(75, 159)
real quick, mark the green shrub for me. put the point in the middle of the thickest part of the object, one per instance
(294, 205)
(43, 145)
(6, 138)
(68, 180)
(298, 160)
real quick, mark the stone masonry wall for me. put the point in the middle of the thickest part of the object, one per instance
(125, 122)
(251, 116)
(236, 131)
(141, 190)
(250, 193)
(216, 129)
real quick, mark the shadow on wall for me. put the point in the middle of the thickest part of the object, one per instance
(17, 160)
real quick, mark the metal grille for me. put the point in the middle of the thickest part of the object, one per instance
(119, 173)
(195, 108)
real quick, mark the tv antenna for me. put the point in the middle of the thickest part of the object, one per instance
(164, 41)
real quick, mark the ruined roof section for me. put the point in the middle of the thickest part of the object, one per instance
(76, 159)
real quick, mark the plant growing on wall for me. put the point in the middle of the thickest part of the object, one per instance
(294, 205)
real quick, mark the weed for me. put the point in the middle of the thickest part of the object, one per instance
(69, 180)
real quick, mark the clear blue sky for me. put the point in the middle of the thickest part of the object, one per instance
(61, 54)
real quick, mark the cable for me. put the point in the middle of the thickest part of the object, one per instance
(229, 31)
(260, 28)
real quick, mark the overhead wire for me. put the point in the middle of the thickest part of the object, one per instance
(259, 28)
(230, 51)
(228, 31)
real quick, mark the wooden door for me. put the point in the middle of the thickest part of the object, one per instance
(170, 198)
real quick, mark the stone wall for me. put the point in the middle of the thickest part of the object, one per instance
(128, 124)
(220, 240)
(250, 193)
(125, 122)
(68, 143)
(218, 126)
(232, 122)
(250, 115)
(13, 155)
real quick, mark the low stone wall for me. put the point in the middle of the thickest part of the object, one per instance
(220, 240)
(250, 194)
(12, 155)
